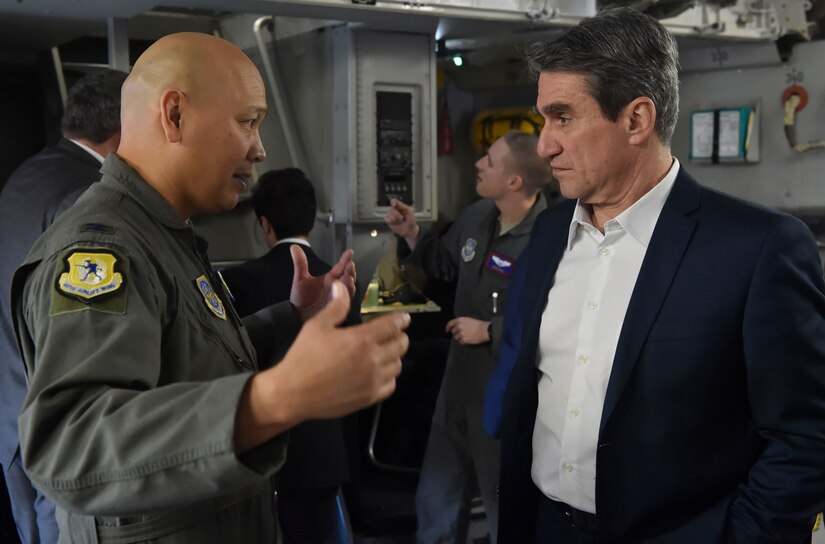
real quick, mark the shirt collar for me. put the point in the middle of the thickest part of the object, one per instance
(88, 150)
(639, 219)
(295, 240)
(121, 177)
(526, 224)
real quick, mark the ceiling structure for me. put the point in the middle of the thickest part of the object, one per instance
(464, 25)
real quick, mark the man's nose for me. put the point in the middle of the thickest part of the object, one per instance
(548, 146)
(257, 153)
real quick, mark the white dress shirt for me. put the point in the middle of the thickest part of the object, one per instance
(293, 240)
(580, 328)
(88, 150)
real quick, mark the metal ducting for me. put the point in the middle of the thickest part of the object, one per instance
(661, 9)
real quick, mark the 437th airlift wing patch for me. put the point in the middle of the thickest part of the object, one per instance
(89, 279)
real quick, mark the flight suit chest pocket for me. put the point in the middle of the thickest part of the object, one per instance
(213, 324)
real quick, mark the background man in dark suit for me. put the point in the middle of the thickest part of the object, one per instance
(670, 381)
(42, 187)
(316, 465)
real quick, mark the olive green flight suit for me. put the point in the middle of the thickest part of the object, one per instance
(482, 260)
(136, 361)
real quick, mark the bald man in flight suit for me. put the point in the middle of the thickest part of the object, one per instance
(153, 411)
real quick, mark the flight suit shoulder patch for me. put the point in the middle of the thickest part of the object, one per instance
(468, 252)
(89, 279)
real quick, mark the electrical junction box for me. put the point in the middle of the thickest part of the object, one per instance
(365, 105)
(391, 87)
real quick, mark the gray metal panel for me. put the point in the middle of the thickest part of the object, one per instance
(783, 178)
(343, 121)
(405, 63)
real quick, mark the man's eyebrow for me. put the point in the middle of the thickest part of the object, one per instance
(553, 108)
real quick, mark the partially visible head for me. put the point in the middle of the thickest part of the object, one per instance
(286, 200)
(525, 161)
(512, 165)
(191, 112)
(92, 112)
(623, 54)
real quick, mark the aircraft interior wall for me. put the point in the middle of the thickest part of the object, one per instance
(782, 178)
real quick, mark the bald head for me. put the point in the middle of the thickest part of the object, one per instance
(185, 93)
(199, 65)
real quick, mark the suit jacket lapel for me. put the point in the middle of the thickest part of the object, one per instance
(546, 253)
(543, 254)
(664, 254)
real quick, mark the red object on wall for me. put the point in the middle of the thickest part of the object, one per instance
(445, 132)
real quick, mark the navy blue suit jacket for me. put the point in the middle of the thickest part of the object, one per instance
(713, 427)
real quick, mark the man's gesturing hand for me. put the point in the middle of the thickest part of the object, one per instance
(468, 331)
(327, 373)
(310, 293)
(401, 219)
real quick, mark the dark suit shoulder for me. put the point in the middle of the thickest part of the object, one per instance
(58, 166)
(42, 184)
(727, 212)
(555, 216)
(716, 199)
(267, 280)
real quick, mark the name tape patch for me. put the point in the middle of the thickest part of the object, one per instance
(500, 263)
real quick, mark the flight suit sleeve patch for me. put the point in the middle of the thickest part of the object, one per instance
(89, 279)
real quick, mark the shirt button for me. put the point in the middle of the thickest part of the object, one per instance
(567, 467)
(593, 304)
(584, 359)
(605, 252)
(575, 412)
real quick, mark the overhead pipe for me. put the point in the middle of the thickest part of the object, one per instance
(61, 79)
(288, 125)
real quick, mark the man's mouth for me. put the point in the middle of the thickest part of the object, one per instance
(242, 179)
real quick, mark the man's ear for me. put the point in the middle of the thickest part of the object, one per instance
(265, 224)
(516, 183)
(269, 232)
(171, 105)
(640, 120)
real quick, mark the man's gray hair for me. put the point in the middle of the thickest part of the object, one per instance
(623, 54)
